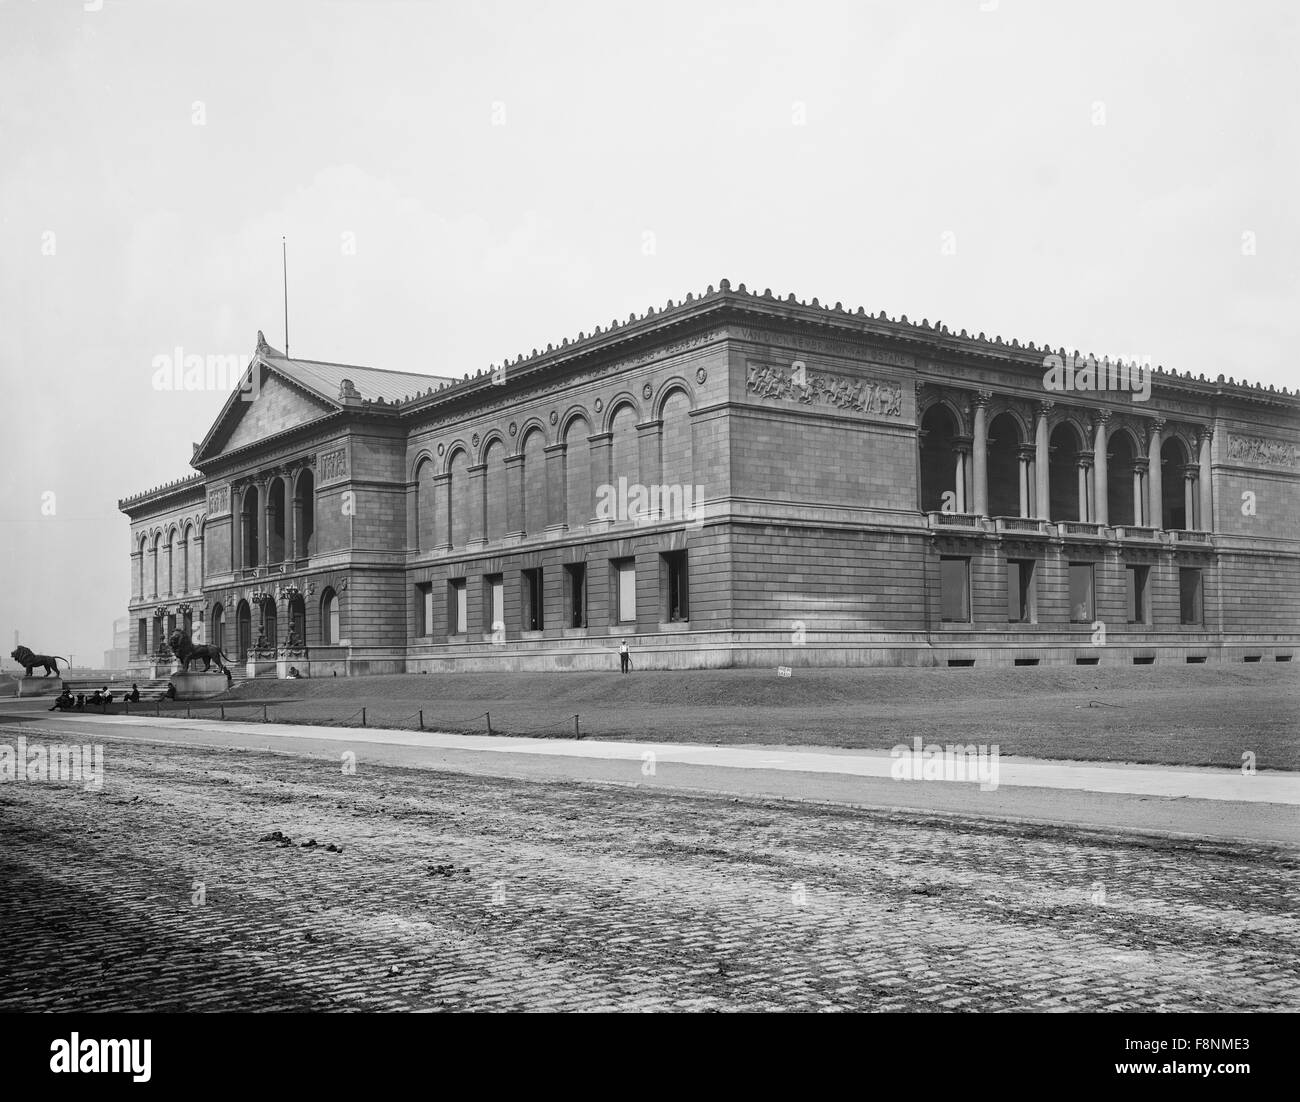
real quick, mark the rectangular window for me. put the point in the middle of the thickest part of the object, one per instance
(1021, 607)
(1190, 606)
(954, 590)
(532, 599)
(142, 637)
(676, 605)
(575, 585)
(1135, 593)
(494, 607)
(457, 607)
(625, 589)
(424, 599)
(1081, 610)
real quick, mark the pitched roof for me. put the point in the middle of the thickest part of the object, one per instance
(325, 378)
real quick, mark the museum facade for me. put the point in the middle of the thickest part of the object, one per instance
(732, 480)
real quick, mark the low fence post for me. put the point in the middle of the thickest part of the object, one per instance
(363, 717)
(263, 713)
(223, 711)
(576, 732)
(421, 719)
(489, 719)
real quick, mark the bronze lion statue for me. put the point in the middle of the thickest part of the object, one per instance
(28, 658)
(186, 652)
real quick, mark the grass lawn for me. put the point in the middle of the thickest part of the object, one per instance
(1173, 715)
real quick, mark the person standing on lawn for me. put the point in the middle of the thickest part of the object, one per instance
(624, 658)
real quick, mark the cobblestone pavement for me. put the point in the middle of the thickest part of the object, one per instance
(468, 892)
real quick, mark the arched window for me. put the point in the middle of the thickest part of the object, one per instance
(218, 629)
(534, 483)
(938, 460)
(275, 521)
(243, 629)
(625, 460)
(1174, 457)
(1121, 465)
(426, 522)
(577, 473)
(678, 462)
(329, 618)
(172, 564)
(460, 502)
(495, 477)
(1003, 469)
(297, 622)
(1063, 474)
(304, 499)
(248, 527)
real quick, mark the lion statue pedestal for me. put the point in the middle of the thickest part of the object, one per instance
(198, 685)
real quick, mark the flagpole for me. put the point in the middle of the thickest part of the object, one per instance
(284, 257)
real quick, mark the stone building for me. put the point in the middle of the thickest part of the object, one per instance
(734, 479)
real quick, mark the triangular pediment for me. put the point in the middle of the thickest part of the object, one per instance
(268, 404)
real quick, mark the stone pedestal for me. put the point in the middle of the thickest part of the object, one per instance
(260, 667)
(196, 686)
(282, 667)
(40, 686)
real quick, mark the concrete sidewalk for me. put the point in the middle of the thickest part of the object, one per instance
(1141, 780)
(1190, 802)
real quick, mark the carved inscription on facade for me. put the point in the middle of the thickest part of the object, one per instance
(1263, 452)
(828, 347)
(334, 465)
(219, 501)
(814, 388)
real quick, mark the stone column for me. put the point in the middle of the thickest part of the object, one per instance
(980, 447)
(515, 496)
(442, 508)
(602, 456)
(1084, 467)
(1042, 471)
(1025, 453)
(1101, 471)
(1190, 473)
(137, 574)
(267, 513)
(1139, 476)
(236, 529)
(961, 448)
(1155, 503)
(295, 526)
(477, 504)
(555, 519)
(171, 568)
(1206, 519)
(650, 456)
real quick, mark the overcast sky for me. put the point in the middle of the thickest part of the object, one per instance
(460, 182)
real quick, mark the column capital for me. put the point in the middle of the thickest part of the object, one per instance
(1191, 471)
(1045, 408)
(1083, 459)
(1100, 417)
(1141, 463)
(982, 398)
(1158, 423)
(1204, 432)
(1027, 451)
